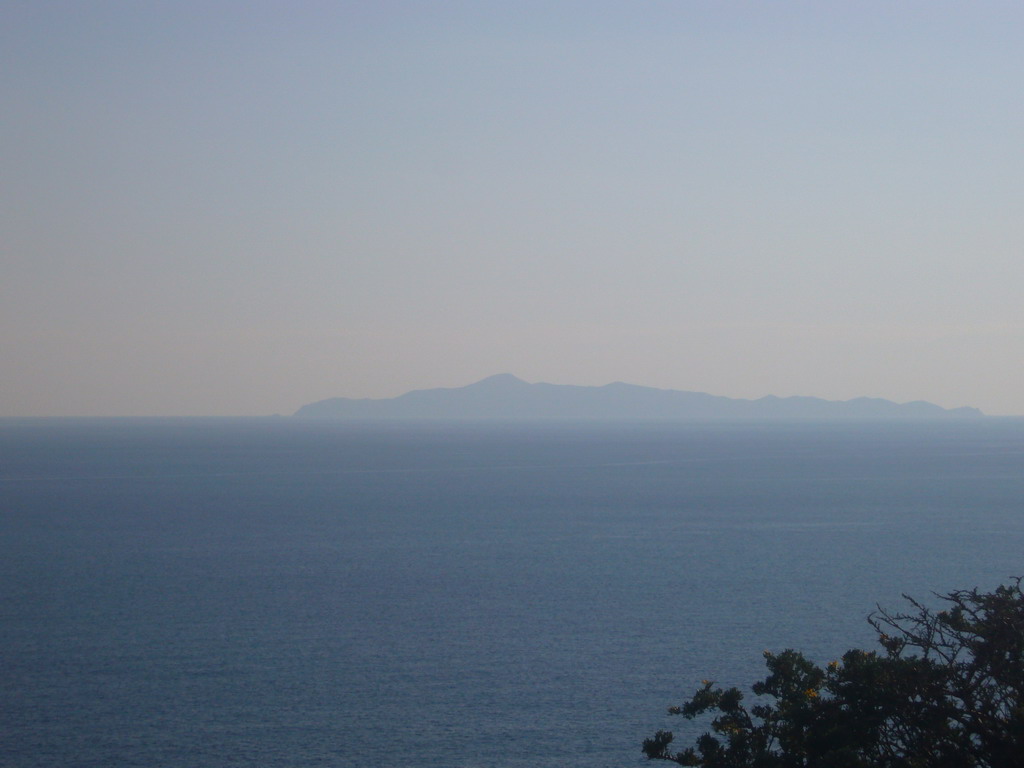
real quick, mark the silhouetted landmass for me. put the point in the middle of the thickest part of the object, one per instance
(505, 397)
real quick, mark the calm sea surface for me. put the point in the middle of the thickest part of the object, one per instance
(284, 593)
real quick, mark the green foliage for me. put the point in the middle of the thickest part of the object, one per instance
(946, 690)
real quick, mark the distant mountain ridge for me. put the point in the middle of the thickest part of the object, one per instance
(506, 397)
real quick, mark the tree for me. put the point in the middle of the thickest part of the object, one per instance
(946, 689)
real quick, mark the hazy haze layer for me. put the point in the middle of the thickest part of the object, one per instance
(238, 208)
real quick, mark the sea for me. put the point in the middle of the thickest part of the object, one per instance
(187, 593)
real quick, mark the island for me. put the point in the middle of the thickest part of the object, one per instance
(505, 397)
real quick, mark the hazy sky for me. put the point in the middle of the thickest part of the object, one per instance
(240, 207)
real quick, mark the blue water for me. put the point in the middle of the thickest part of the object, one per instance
(284, 593)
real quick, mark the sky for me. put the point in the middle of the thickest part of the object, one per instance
(237, 208)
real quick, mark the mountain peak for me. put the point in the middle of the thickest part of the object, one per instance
(502, 380)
